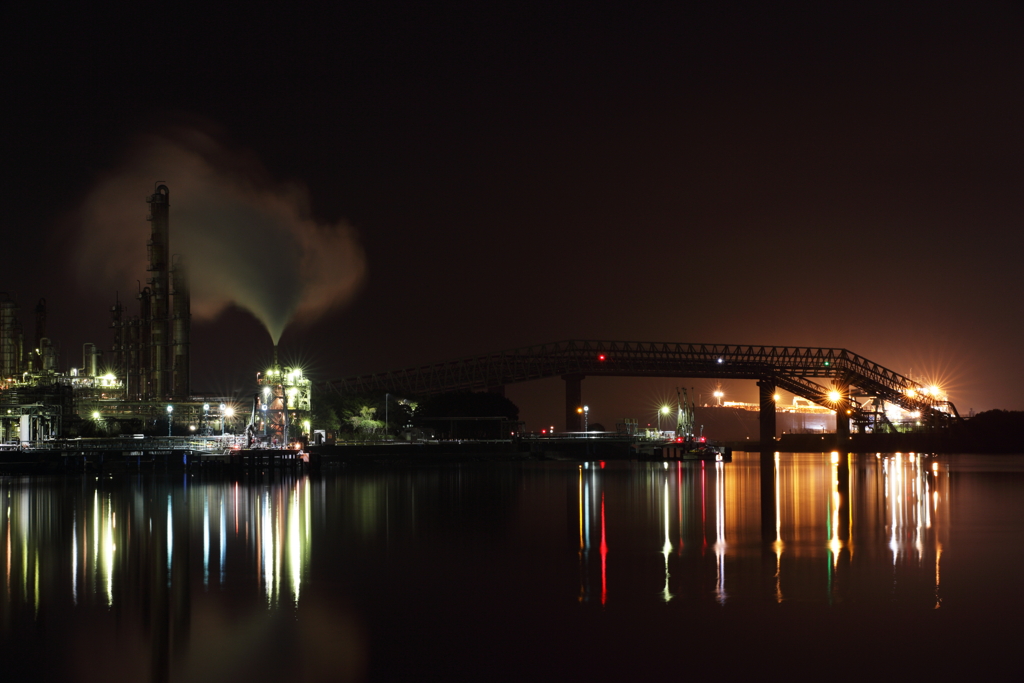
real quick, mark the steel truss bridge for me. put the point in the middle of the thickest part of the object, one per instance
(794, 368)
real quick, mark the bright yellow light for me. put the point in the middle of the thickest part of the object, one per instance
(664, 410)
(935, 391)
(95, 414)
(835, 396)
(776, 397)
(935, 467)
(911, 393)
(835, 457)
(229, 411)
(579, 410)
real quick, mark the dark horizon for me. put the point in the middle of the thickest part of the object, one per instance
(484, 177)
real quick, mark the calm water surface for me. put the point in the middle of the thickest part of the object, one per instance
(890, 566)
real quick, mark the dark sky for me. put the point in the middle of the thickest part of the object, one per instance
(837, 174)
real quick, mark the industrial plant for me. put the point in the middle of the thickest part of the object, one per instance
(143, 383)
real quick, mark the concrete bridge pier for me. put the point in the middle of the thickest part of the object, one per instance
(573, 400)
(766, 391)
(843, 416)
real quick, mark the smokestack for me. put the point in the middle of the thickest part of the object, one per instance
(159, 204)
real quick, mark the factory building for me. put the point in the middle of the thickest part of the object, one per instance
(143, 384)
(147, 367)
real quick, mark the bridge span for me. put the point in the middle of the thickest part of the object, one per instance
(857, 388)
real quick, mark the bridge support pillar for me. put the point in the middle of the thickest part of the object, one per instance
(573, 400)
(843, 418)
(766, 391)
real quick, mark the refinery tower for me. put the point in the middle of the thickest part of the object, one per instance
(151, 350)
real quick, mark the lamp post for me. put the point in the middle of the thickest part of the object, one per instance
(718, 395)
(229, 412)
(222, 409)
(206, 419)
(663, 411)
(586, 414)
(170, 412)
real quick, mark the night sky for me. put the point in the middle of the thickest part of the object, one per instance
(418, 182)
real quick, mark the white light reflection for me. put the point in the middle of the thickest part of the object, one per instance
(223, 538)
(666, 548)
(295, 544)
(915, 514)
(206, 539)
(108, 551)
(170, 538)
(266, 541)
(74, 556)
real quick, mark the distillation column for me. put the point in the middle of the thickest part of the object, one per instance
(8, 337)
(182, 328)
(159, 286)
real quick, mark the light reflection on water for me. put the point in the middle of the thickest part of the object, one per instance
(210, 574)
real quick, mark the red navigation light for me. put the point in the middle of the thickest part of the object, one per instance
(602, 357)
(702, 439)
(543, 431)
(679, 439)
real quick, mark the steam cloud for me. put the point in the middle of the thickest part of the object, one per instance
(246, 240)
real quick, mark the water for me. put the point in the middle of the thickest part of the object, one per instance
(892, 566)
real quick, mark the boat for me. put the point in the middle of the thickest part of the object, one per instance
(686, 445)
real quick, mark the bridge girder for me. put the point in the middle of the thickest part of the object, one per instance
(789, 367)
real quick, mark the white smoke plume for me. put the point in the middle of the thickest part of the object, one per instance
(246, 240)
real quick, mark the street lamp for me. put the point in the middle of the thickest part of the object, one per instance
(663, 411)
(206, 418)
(170, 411)
(719, 395)
(222, 408)
(228, 412)
(586, 414)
